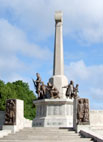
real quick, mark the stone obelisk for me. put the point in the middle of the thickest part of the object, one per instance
(57, 112)
(58, 79)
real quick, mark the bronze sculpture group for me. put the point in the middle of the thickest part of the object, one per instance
(50, 91)
(71, 92)
(45, 91)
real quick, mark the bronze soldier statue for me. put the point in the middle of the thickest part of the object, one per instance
(71, 92)
(53, 91)
(76, 91)
(43, 91)
(37, 84)
(70, 89)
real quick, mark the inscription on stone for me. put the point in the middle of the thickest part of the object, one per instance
(38, 110)
(55, 110)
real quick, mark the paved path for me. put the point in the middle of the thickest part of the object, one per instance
(44, 135)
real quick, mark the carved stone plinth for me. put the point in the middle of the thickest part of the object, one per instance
(14, 117)
(53, 113)
(81, 116)
(83, 111)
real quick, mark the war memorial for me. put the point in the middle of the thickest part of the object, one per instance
(60, 112)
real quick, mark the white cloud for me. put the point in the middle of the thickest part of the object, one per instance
(82, 18)
(90, 79)
(13, 39)
(97, 93)
(77, 70)
(14, 49)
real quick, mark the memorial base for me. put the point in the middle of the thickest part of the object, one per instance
(53, 113)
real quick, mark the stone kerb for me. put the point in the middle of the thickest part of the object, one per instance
(90, 134)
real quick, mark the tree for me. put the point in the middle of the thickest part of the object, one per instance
(18, 90)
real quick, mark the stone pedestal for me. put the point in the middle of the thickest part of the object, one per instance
(19, 108)
(81, 105)
(20, 121)
(53, 113)
(59, 81)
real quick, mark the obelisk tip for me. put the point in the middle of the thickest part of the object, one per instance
(58, 16)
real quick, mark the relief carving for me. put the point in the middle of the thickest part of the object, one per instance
(10, 114)
(83, 111)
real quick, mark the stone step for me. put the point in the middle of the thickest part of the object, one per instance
(49, 131)
(48, 128)
(39, 129)
(39, 132)
(47, 141)
(46, 138)
(44, 135)
(39, 137)
(50, 139)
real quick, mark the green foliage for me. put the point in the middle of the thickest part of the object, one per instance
(18, 90)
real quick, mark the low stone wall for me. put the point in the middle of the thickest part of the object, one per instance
(96, 119)
(2, 118)
(92, 135)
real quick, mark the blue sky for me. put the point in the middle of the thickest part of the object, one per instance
(27, 42)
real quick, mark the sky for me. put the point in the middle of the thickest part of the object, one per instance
(27, 42)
